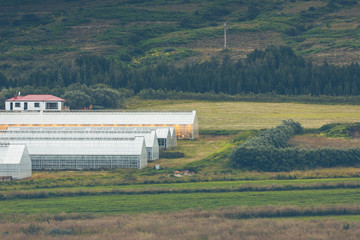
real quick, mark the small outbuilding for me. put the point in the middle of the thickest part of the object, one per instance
(15, 161)
(34, 103)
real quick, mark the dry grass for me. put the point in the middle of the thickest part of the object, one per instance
(251, 115)
(317, 141)
(194, 150)
(185, 225)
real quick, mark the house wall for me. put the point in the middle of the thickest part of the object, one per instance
(31, 106)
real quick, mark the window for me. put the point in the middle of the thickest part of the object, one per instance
(51, 105)
(17, 104)
(37, 105)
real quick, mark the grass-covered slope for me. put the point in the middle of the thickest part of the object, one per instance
(43, 32)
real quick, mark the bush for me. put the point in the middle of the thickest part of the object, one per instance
(59, 231)
(107, 97)
(270, 152)
(164, 154)
(77, 99)
(32, 230)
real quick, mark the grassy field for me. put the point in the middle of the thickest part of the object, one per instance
(112, 204)
(251, 115)
(79, 204)
(317, 141)
(185, 225)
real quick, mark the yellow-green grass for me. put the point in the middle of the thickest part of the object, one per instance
(193, 149)
(255, 115)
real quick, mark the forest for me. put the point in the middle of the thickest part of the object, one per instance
(276, 70)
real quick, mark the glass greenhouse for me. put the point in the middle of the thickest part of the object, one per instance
(14, 161)
(151, 141)
(84, 153)
(185, 122)
(166, 140)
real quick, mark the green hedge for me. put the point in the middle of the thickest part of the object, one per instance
(270, 152)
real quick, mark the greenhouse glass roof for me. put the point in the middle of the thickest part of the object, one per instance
(11, 154)
(130, 146)
(76, 134)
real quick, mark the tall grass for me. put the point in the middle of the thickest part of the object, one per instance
(228, 223)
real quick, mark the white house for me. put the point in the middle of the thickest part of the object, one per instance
(14, 161)
(34, 103)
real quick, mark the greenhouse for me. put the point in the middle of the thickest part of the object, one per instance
(84, 153)
(151, 141)
(185, 122)
(165, 141)
(166, 135)
(14, 161)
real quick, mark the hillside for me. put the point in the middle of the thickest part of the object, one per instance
(42, 33)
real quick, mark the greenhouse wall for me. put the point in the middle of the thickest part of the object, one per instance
(14, 161)
(28, 134)
(85, 153)
(63, 162)
(184, 122)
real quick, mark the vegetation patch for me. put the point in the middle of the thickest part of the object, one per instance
(270, 152)
(342, 130)
(165, 154)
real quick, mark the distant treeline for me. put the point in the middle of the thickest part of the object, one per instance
(275, 70)
(270, 152)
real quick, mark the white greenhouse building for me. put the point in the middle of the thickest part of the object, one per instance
(151, 141)
(84, 153)
(14, 161)
(166, 139)
(185, 123)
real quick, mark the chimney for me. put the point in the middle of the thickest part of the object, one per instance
(15, 96)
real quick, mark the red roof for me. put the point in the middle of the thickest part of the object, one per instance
(39, 98)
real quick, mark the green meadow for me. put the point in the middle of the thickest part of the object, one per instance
(111, 204)
(257, 115)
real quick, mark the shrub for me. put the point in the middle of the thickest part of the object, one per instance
(32, 230)
(270, 152)
(164, 154)
(59, 231)
(77, 99)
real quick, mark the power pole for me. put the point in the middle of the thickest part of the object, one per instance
(225, 35)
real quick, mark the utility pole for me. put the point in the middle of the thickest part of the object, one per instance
(225, 35)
